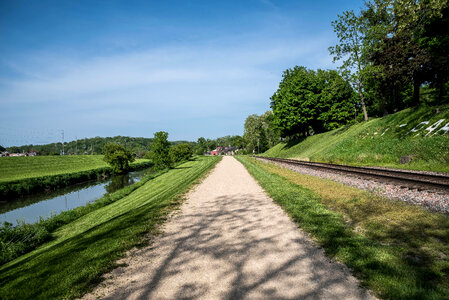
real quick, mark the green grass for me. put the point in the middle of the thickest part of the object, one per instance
(23, 238)
(16, 168)
(27, 175)
(364, 144)
(82, 250)
(397, 250)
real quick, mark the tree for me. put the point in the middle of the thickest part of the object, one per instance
(294, 104)
(117, 156)
(201, 146)
(260, 133)
(253, 134)
(350, 31)
(159, 152)
(2, 148)
(407, 43)
(337, 100)
(180, 152)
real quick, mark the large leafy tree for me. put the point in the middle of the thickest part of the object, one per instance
(310, 101)
(337, 99)
(117, 156)
(408, 41)
(294, 104)
(159, 152)
(351, 33)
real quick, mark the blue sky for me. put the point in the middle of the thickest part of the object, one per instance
(191, 68)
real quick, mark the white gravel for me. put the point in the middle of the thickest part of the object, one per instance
(431, 200)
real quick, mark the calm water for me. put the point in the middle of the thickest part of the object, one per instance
(30, 208)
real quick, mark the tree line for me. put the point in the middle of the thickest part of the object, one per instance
(139, 146)
(393, 54)
(162, 153)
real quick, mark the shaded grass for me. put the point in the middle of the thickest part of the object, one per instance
(378, 142)
(88, 247)
(397, 250)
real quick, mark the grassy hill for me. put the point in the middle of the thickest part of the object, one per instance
(422, 133)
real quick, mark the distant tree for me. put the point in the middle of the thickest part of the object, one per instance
(201, 146)
(260, 133)
(180, 152)
(117, 156)
(159, 152)
(14, 149)
(2, 148)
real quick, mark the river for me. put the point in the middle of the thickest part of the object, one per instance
(30, 208)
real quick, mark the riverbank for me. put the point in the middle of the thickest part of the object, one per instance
(27, 175)
(82, 250)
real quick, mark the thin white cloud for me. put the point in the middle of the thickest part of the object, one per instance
(167, 86)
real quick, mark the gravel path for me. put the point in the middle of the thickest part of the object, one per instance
(230, 241)
(433, 201)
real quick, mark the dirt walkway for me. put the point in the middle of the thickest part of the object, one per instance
(230, 241)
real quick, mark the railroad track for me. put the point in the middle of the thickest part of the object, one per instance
(408, 179)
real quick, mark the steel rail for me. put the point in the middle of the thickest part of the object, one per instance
(410, 178)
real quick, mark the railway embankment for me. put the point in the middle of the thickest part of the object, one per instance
(414, 139)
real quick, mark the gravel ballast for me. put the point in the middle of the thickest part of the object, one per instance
(433, 201)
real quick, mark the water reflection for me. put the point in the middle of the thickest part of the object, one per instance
(30, 208)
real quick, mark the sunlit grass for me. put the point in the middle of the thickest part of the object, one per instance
(84, 249)
(16, 168)
(399, 251)
(378, 142)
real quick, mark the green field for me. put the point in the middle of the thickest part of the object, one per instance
(82, 250)
(379, 142)
(397, 250)
(17, 168)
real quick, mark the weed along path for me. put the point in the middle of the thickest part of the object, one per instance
(229, 241)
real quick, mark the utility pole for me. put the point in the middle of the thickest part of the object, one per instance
(76, 145)
(62, 133)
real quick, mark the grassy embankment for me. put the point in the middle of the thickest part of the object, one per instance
(397, 250)
(24, 175)
(84, 249)
(379, 142)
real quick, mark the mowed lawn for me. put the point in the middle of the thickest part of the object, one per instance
(16, 168)
(83, 250)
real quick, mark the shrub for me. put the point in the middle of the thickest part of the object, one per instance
(180, 152)
(118, 157)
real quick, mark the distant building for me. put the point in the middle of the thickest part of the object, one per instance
(6, 154)
(223, 151)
